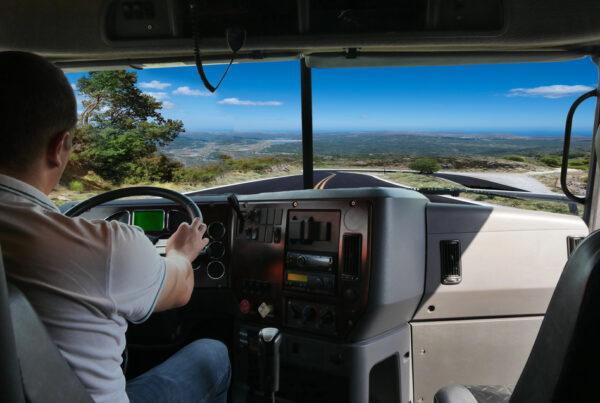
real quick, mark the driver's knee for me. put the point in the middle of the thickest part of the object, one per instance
(211, 359)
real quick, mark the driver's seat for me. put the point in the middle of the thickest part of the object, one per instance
(33, 369)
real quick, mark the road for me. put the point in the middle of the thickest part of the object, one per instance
(322, 180)
(476, 182)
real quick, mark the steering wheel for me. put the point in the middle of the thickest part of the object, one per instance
(184, 201)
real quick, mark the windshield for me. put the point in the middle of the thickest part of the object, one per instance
(480, 127)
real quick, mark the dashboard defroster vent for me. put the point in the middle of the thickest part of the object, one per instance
(450, 262)
(351, 253)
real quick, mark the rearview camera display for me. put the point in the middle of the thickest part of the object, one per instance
(150, 220)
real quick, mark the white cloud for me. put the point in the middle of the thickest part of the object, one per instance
(235, 101)
(549, 91)
(154, 84)
(190, 92)
(168, 104)
(157, 95)
(74, 87)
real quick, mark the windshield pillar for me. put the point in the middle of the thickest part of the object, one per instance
(591, 212)
(307, 125)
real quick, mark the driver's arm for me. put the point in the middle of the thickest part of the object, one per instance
(182, 248)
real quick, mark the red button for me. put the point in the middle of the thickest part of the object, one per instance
(244, 306)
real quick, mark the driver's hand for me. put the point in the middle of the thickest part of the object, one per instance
(188, 240)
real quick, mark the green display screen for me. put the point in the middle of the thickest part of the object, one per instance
(152, 220)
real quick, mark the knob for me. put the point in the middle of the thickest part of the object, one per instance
(327, 318)
(245, 306)
(269, 341)
(309, 313)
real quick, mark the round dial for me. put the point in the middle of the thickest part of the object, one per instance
(215, 270)
(309, 313)
(216, 230)
(216, 250)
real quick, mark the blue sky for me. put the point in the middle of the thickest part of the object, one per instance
(529, 99)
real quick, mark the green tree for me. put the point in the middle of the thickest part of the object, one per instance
(121, 128)
(424, 165)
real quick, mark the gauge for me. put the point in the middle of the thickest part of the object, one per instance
(216, 230)
(215, 270)
(175, 218)
(216, 250)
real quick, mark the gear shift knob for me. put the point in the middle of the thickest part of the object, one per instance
(269, 341)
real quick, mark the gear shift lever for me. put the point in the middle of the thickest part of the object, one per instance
(269, 340)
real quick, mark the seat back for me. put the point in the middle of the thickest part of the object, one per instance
(33, 367)
(10, 374)
(562, 364)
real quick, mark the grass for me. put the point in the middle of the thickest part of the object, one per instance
(416, 180)
(576, 179)
(76, 186)
(525, 204)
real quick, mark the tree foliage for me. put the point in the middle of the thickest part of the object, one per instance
(121, 128)
(424, 165)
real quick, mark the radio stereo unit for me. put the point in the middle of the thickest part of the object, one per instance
(310, 273)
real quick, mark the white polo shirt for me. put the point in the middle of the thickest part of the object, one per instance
(84, 278)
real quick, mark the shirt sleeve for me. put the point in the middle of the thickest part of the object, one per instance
(136, 273)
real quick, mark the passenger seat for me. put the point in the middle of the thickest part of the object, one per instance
(563, 363)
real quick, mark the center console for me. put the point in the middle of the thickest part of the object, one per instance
(303, 265)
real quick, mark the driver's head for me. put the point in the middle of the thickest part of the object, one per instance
(38, 113)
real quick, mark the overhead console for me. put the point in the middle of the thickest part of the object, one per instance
(303, 264)
(137, 19)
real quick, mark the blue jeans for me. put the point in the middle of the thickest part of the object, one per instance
(199, 372)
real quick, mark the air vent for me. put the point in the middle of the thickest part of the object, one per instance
(351, 251)
(450, 262)
(572, 243)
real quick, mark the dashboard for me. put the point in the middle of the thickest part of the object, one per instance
(348, 264)
(363, 283)
(301, 264)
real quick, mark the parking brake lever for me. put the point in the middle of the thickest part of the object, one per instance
(269, 341)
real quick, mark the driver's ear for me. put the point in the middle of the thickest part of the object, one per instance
(55, 155)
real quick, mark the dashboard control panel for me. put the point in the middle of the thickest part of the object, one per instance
(303, 265)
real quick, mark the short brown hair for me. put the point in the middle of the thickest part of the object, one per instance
(37, 103)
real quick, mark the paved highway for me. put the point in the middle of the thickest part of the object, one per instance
(322, 180)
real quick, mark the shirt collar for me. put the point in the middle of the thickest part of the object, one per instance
(25, 190)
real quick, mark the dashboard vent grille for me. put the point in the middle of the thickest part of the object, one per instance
(351, 252)
(450, 262)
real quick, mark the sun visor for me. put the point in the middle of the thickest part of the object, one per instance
(414, 59)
